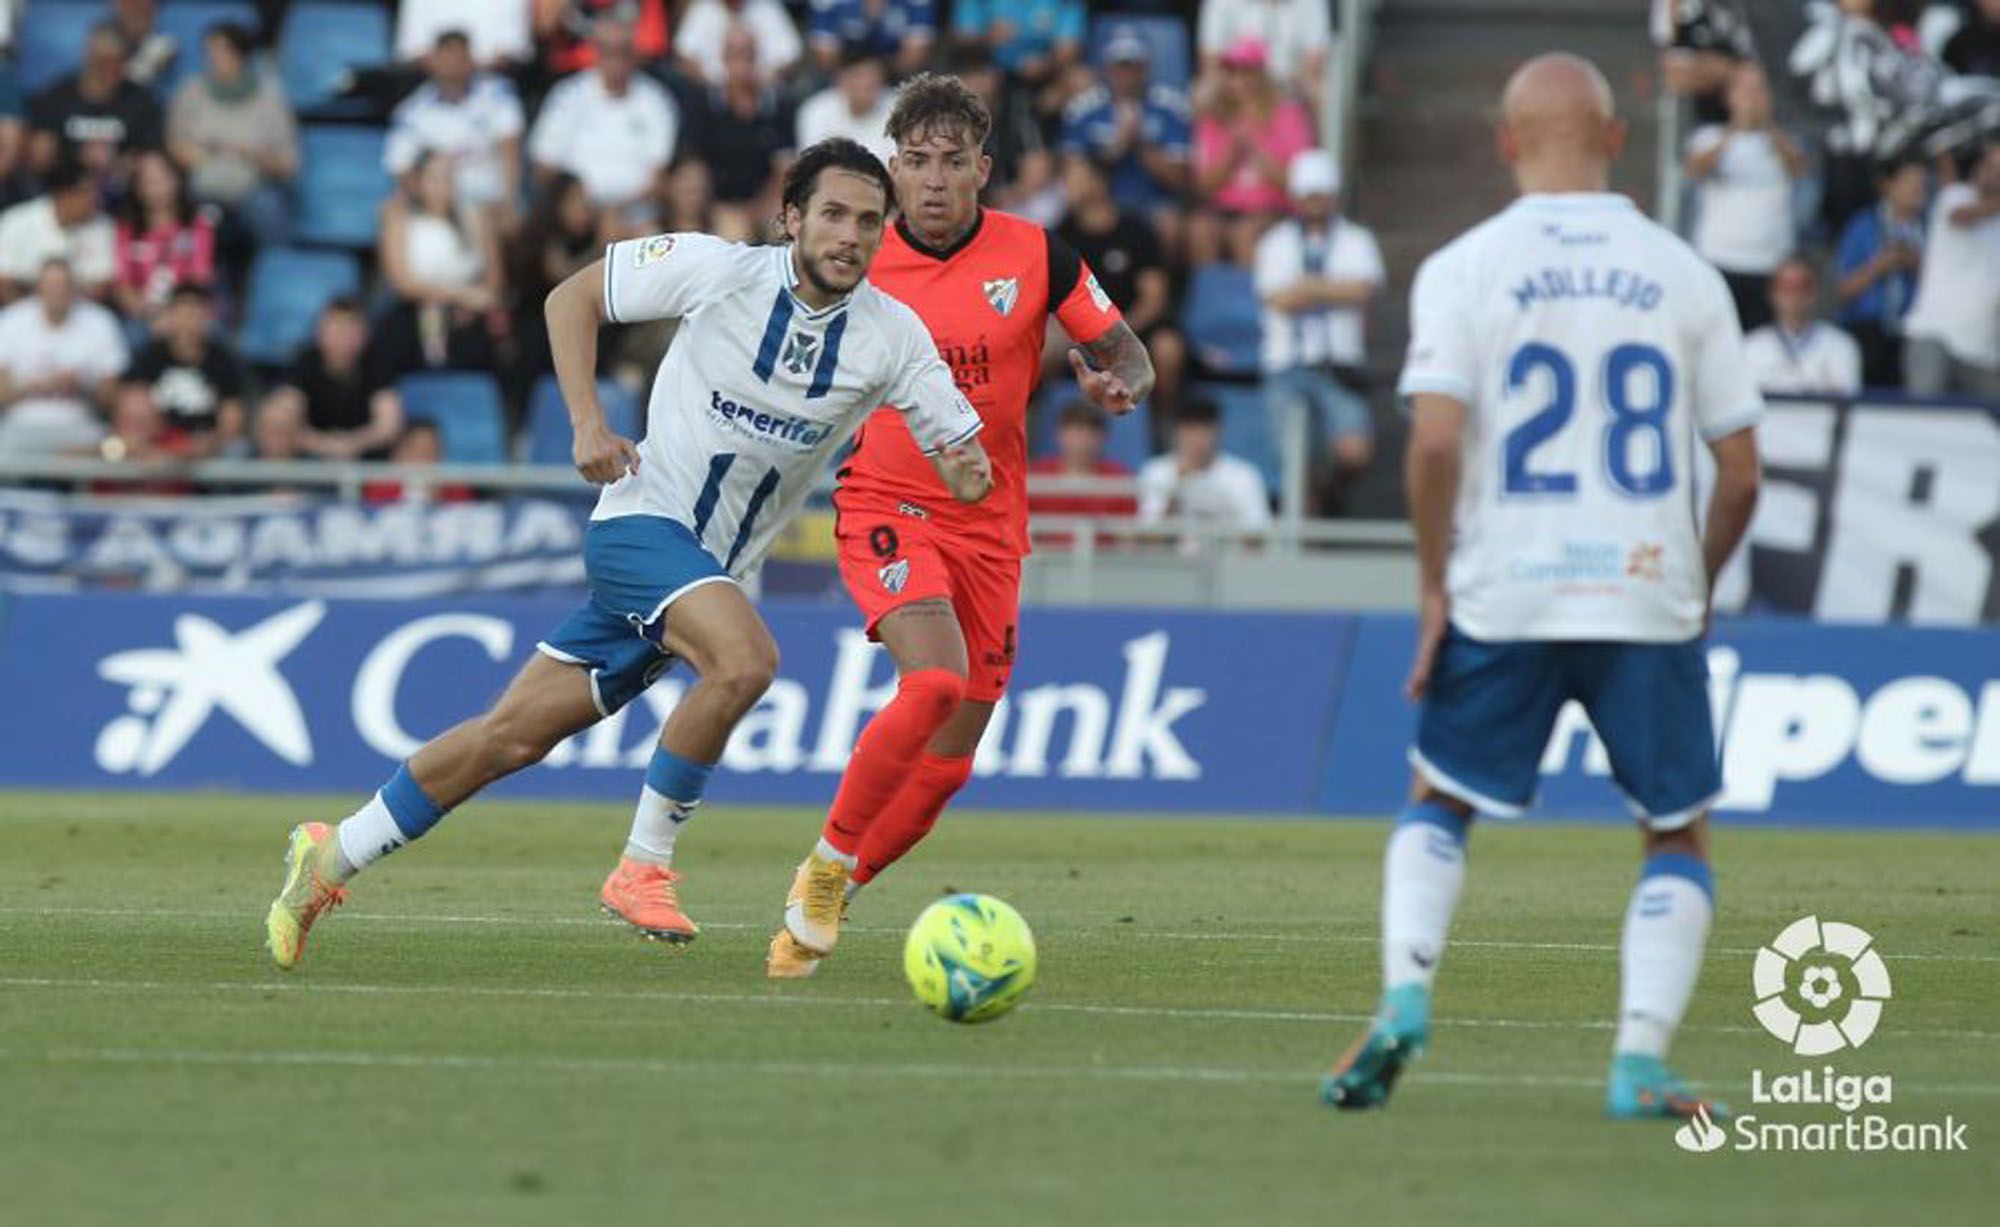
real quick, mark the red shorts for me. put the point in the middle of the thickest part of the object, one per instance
(890, 559)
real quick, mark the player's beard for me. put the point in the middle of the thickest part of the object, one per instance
(823, 285)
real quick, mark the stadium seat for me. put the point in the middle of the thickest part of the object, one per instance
(548, 418)
(1173, 57)
(49, 42)
(1223, 320)
(187, 21)
(288, 290)
(1246, 428)
(1130, 439)
(341, 185)
(466, 407)
(321, 46)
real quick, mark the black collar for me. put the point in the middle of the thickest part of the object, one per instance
(965, 240)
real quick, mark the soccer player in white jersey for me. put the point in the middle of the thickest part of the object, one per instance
(781, 354)
(1564, 358)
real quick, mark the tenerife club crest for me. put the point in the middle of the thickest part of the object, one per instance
(1003, 293)
(801, 352)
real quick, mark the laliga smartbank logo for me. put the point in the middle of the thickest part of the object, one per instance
(1820, 987)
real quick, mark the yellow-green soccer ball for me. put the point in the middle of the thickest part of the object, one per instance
(970, 958)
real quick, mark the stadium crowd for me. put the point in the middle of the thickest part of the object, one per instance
(324, 228)
(1877, 202)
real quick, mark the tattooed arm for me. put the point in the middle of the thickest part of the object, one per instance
(1118, 373)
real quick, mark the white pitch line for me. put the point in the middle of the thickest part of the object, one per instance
(623, 1066)
(1204, 1013)
(1098, 928)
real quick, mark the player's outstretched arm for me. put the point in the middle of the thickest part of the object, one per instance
(575, 311)
(1119, 373)
(1738, 473)
(965, 470)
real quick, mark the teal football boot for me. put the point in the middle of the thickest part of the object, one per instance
(1643, 1088)
(1367, 1072)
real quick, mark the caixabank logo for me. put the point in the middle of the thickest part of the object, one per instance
(1821, 987)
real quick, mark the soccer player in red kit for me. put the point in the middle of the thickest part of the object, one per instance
(939, 582)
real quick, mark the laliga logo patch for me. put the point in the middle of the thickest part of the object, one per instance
(1820, 987)
(1097, 294)
(1003, 294)
(895, 575)
(653, 250)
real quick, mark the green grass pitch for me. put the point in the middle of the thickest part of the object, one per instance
(468, 1042)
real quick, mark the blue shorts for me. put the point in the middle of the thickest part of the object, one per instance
(636, 566)
(1490, 708)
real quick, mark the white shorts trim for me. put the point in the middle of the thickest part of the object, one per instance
(590, 672)
(1679, 819)
(1445, 784)
(660, 610)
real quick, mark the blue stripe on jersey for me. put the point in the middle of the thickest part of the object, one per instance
(711, 491)
(829, 358)
(774, 335)
(763, 491)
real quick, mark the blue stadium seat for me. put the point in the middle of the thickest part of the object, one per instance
(1173, 55)
(466, 407)
(288, 290)
(1246, 427)
(187, 21)
(1223, 320)
(1130, 439)
(341, 185)
(322, 44)
(49, 38)
(548, 418)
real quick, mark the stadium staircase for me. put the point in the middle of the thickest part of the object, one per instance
(1426, 167)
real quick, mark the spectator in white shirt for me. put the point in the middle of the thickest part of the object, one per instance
(855, 106)
(1744, 171)
(610, 126)
(1197, 480)
(1952, 334)
(698, 40)
(473, 118)
(59, 357)
(64, 224)
(502, 31)
(1296, 35)
(1316, 274)
(1797, 354)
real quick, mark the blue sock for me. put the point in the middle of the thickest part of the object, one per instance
(394, 816)
(673, 789)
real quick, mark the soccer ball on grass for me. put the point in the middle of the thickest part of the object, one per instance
(969, 958)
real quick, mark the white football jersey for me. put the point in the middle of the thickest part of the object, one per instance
(758, 390)
(1592, 347)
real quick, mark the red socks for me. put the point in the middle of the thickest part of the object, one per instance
(912, 814)
(886, 756)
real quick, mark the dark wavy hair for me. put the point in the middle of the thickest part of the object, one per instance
(833, 153)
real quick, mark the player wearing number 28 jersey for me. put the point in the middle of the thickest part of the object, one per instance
(1566, 359)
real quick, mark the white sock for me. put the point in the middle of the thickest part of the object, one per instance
(655, 826)
(1659, 959)
(854, 887)
(1421, 876)
(365, 837)
(827, 852)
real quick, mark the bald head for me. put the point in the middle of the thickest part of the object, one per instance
(1557, 115)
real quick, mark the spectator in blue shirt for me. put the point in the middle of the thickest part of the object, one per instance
(1139, 129)
(1880, 251)
(1029, 38)
(900, 32)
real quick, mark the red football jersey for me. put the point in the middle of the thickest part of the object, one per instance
(986, 302)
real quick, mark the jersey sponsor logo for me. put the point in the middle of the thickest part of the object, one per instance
(912, 510)
(1647, 561)
(175, 690)
(895, 576)
(1097, 295)
(1003, 293)
(653, 250)
(971, 365)
(801, 352)
(802, 433)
